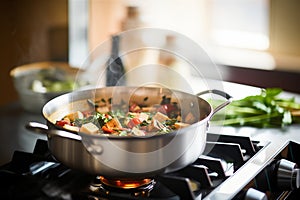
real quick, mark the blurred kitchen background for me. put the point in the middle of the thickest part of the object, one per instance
(256, 42)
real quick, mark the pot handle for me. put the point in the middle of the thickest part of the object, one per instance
(37, 127)
(221, 93)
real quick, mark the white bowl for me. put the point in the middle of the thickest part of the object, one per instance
(32, 99)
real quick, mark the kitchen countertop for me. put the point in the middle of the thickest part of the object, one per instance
(275, 135)
(14, 136)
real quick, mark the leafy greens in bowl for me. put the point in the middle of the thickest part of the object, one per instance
(37, 83)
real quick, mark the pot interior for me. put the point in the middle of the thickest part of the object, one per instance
(65, 104)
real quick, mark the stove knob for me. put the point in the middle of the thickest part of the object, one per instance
(288, 175)
(253, 194)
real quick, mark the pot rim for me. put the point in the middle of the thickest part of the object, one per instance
(115, 137)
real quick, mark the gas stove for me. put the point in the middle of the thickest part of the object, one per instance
(226, 159)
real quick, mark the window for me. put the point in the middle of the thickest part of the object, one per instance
(242, 24)
(246, 33)
(234, 32)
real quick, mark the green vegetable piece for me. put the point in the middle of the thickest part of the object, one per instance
(263, 110)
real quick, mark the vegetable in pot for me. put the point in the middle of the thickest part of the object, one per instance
(125, 120)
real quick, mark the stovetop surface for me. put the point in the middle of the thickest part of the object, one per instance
(38, 175)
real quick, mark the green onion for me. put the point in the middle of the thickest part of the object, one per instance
(263, 110)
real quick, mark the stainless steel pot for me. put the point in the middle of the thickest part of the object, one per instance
(128, 157)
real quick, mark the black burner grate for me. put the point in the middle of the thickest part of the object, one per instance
(38, 176)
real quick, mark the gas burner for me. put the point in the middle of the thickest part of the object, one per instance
(125, 183)
(135, 187)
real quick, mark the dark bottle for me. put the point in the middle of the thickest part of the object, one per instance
(115, 69)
